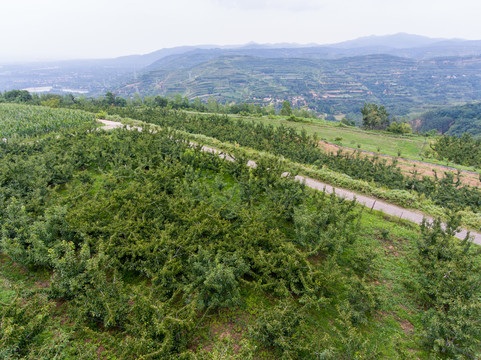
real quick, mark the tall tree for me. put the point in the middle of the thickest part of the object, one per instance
(374, 117)
(212, 105)
(161, 101)
(286, 108)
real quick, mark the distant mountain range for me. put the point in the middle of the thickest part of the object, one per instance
(402, 71)
(396, 41)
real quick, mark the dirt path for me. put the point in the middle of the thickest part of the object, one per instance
(109, 125)
(376, 204)
(370, 202)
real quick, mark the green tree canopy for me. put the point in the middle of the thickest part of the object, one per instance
(286, 108)
(374, 117)
(17, 95)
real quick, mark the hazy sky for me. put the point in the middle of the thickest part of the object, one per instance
(66, 29)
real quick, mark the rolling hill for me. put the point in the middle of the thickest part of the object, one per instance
(405, 72)
(327, 85)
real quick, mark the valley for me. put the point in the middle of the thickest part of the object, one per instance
(398, 72)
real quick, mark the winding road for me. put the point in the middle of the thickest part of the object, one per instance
(370, 202)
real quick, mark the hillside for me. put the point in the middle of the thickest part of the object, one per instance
(123, 244)
(331, 86)
(405, 72)
(305, 149)
(454, 120)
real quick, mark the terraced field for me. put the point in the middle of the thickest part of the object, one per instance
(330, 86)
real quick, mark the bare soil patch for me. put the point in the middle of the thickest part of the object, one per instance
(42, 284)
(406, 326)
(410, 167)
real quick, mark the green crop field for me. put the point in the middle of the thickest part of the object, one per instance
(414, 147)
(384, 178)
(125, 244)
(409, 146)
(21, 120)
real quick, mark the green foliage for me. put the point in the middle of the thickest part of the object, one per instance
(14, 231)
(280, 327)
(22, 324)
(303, 112)
(21, 120)
(294, 118)
(286, 109)
(349, 341)
(217, 280)
(161, 101)
(285, 141)
(454, 120)
(212, 105)
(103, 297)
(464, 150)
(70, 275)
(315, 229)
(347, 121)
(101, 115)
(448, 283)
(374, 116)
(97, 206)
(111, 99)
(27, 241)
(18, 96)
(52, 102)
(362, 296)
(399, 128)
(146, 236)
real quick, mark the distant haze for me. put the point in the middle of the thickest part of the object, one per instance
(54, 29)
